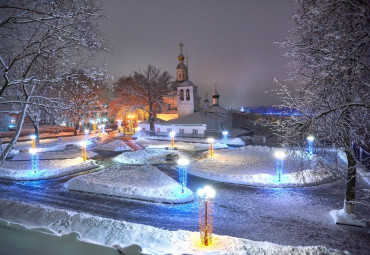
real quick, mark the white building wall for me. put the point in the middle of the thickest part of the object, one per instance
(185, 107)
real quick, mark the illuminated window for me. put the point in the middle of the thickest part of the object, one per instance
(181, 95)
(187, 95)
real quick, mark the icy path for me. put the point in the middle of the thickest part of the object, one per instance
(285, 216)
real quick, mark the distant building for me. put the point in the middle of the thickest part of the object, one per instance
(193, 119)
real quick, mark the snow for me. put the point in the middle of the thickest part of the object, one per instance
(67, 153)
(22, 170)
(341, 217)
(142, 157)
(255, 165)
(116, 145)
(137, 182)
(153, 240)
(19, 239)
(190, 146)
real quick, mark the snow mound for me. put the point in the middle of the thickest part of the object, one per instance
(22, 170)
(153, 240)
(255, 165)
(341, 217)
(143, 157)
(137, 182)
(42, 154)
(235, 142)
(116, 145)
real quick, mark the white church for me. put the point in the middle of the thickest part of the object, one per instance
(194, 119)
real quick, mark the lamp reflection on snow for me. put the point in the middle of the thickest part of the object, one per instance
(183, 173)
(83, 145)
(210, 141)
(87, 135)
(34, 160)
(279, 156)
(206, 196)
(172, 135)
(310, 140)
(138, 130)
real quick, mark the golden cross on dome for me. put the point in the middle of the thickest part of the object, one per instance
(181, 45)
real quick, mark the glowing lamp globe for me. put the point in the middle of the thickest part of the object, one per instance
(172, 133)
(200, 192)
(33, 150)
(225, 132)
(83, 144)
(280, 155)
(211, 140)
(33, 137)
(87, 131)
(310, 138)
(183, 162)
(210, 193)
(138, 128)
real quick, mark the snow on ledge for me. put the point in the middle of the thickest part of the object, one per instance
(153, 240)
(22, 170)
(341, 217)
(143, 157)
(136, 182)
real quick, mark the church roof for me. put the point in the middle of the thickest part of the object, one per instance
(186, 83)
(216, 109)
(197, 118)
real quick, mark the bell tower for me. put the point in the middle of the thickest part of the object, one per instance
(181, 69)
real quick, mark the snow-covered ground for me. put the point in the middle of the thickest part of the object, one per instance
(190, 146)
(19, 239)
(66, 153)
(256, 165)
(116, 145)
(137, 182)
(341, 217)
(23, 170)
(153, 240)
(147, 156)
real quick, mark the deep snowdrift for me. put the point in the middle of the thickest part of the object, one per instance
(255, 165)
(137, 182)
(22, 170)
(153, 240)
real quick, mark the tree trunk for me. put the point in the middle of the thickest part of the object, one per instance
(349, 202)
(37, 132)
(151, 119)
(16, 135)
(77, 127)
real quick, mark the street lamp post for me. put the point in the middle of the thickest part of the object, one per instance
(34, 161)
(87, 135)
(83, 145)
(310, 140)
(119, 123)
(211, 141)
(183, 173)
(138, 132)
(224, 136)
(33, 141)
(279, 156)
(206, 196)
(172, 135)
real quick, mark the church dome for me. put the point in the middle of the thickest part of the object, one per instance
(181, 66)
(215, 94)
(181, 57)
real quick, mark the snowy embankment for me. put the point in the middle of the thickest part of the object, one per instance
(19, 239)
(136, 182)
(255, 165)
(67, 153)
(153, 240)
(23, 170)
(143, 157)
(116, 145)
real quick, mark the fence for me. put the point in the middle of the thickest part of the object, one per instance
(362, 155)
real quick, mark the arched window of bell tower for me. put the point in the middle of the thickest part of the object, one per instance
(187, 95)
(181, 95)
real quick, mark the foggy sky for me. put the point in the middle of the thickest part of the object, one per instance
(229, 42)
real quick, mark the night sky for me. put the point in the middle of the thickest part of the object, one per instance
(228, 43)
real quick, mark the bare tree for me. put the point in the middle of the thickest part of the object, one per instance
(330, 58)
(34, 33)
(144, 90)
